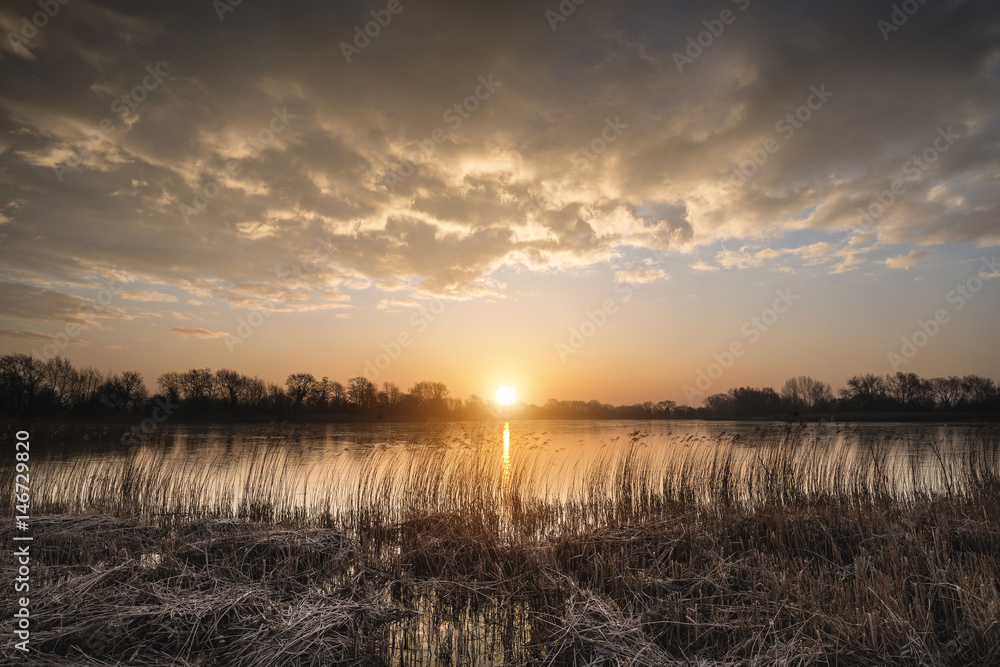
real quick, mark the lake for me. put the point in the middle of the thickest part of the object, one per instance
(344, 468)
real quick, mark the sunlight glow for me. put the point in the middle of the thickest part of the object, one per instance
(505, 395)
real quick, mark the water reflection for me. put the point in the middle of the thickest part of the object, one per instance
(339, 469)
(505, 478)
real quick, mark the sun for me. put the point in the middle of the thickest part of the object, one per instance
(505, 395)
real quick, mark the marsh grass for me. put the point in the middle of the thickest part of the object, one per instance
(788, 546)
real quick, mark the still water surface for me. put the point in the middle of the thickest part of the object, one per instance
(338, 467)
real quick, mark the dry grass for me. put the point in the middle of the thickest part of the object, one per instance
(778, 551)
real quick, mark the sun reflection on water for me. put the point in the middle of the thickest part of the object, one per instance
(505, 476)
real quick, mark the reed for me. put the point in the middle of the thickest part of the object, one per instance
(782, 547)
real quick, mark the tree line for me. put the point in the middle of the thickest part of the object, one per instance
(897, 393)
(31, 387)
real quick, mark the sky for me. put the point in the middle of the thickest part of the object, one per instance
(621, 201)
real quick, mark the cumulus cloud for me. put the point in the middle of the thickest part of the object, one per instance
(592, 143)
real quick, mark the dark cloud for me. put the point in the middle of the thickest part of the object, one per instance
(593, 141)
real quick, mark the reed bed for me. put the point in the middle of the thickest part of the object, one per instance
(792, 546)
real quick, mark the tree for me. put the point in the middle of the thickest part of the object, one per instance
(390, 397)
(362, 392)
(865, 390)
(909, 390)
(338, 394)
(198, 385)
(719, 404)
(126, 391)
(320, 396)
(948, 392)
(803, 392)
(255, 393)
(979, 390)
(87, 387)
(755, 402)
(476, 408)
(276, 397)
(431, 397)
(170, 386)
(60, 377)
(232, 384)
(22, 378)
(663, 409)
(299, 385)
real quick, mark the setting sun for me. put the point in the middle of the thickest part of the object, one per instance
(505, 395)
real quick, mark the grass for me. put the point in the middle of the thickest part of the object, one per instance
(790, 546)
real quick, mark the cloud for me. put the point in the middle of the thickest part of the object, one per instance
(27, 334)
(334, 295)
(907, 260)
(29, 303)
(197, 333)
(641, 276)
(396, 304)
(146, 295)
(518, 185)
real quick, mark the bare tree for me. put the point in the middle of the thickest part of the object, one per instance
(255, 393)
(232, 384)
(170, 386)
(22, 377)
(362, 392)
(88, 386)
(338, 393)
(948, 392)
(980, 390)
(908, 389)
(664, 408)
(198, 385)
(805, 392)
(299, 386)
(59, 376)
(393, 394)
(865, 389)
(126, 391)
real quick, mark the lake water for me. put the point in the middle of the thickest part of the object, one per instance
(339, 468)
